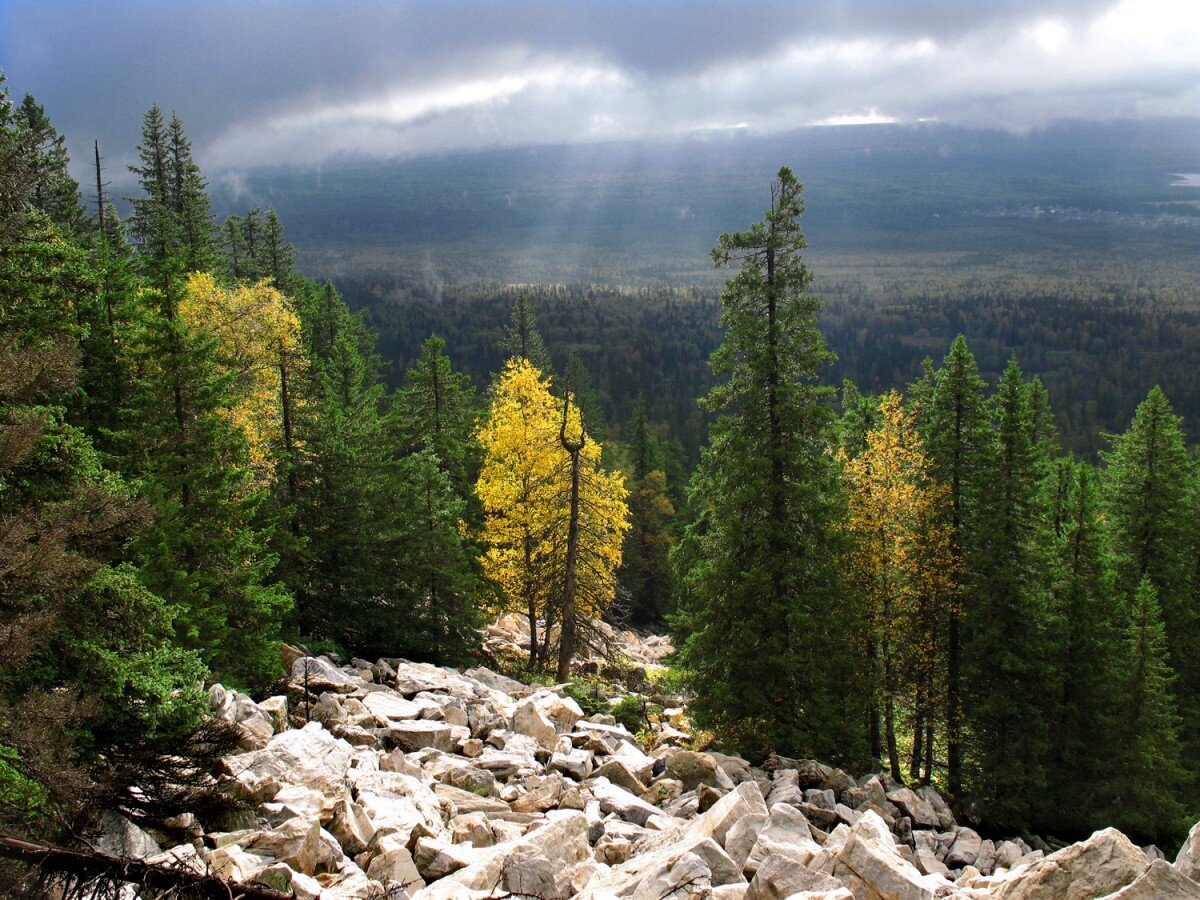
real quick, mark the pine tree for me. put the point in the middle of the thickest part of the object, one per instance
(1009, 677)
(1146, 803)
(763, 597)
(951, 414)
(188, 202)
(1148, 483)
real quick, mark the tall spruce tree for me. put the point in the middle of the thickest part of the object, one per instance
(767, 636)
(1146, 802)
(1086, 647)
(53, 190)
(1148, 485)
(1009, 676)
(951, 414)
(522, 340)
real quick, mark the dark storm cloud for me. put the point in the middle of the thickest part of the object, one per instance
(264, 81)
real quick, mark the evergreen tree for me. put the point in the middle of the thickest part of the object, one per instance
(646, 567)
(54, 191)
(436, 411)
(1086, 646)
(1148, 484)
(1146, 801)
(1009, 677)
(951, 414)
(522, 340)
(188, 201)
(278, 255)
(767, 631)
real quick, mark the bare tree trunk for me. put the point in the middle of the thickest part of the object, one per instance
(566, 640)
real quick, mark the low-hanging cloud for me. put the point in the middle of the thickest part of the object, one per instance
(268, 82)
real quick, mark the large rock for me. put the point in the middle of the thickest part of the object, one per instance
(618, 801)
(422, 733)
(1103, 864)
(787, 834)
(538, 864)
(965, 849)
(528, 720)
(393, 865)
(351, 826)
(316, 674)
(917, 808)
(118, 836)
(719, 819)
(695, 769)
(1188, 861)
(309, 756)
(255, 725)
(869, 864)
(301, 844)
(779, 877)
(387, 707)
(468, 801)
(1159, 882)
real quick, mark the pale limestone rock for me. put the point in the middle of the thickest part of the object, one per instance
(1103, 864)
(317, 674)
(351, 826)
(620, 802)
(421, 733)
(309, 756)
(917, 808)
(387, 707)
(1160, 881)
(285, 879)
(302, 844)
(786, 833)
(779, 877)
(1187, 862)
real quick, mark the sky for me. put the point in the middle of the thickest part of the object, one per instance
(297, 81)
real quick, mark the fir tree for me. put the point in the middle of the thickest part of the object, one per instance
(1009, 677)
(1148, 484)
(522, 340)
(763, 596)
(436, 410)
(951, 414)
(54, 191)
(1146, 801)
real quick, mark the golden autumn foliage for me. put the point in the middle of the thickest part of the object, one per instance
(524, 487)
(903, 563)
(259, 340)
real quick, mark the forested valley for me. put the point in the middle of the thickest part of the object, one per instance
(907, 556)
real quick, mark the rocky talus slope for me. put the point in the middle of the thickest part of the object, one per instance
(410, 780)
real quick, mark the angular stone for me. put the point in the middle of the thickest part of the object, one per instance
(787, 832)
(617, 772)
(309, 756)
(287, 880)
(417, 735)
(695, 769)
(743, 836)
(1187, 862)
(869, 858)
(471, 778)
(577, 764)
(1160, 881)
(388, 707)
(120, 837)
(316, 674)
(965, 849)
(779, 877)
(301, 844)
(921, 811)
(468, 801)
(395, 866)
(436, 858)
(618, 801)
(351, 827)
(1103, 864)
(528, 720)
(744, 800)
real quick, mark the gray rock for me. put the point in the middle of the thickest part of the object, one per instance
(779, 877)
(916, 808)
(620, 802)
(965, 849)
(786, 833)
(528, 720)
(120, 837)
(695, 769)
(616, 771)
(471, 778)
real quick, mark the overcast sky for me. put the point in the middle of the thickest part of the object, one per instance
(265, 81)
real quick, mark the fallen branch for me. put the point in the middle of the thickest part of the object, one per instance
(85, 866)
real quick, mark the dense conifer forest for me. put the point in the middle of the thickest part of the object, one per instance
(967, 575)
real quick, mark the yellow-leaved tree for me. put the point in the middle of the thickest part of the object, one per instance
(554, 519)
(904, 567)
(259, 341)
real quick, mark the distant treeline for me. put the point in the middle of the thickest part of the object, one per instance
(1099, 342)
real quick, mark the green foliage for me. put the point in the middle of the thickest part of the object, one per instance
(632, 711)
(761, 601)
